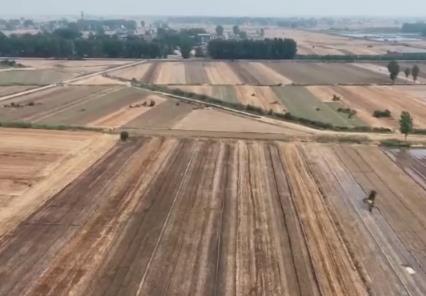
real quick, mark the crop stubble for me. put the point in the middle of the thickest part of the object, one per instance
(167, 216)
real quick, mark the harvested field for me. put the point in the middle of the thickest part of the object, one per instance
(368, 99)
(260, 96)
(195, 73)
(72, 105)
(34, 77)
(162, 116)
(41, 105)
(100, 80)
(10, 90)
(382, 69)
(223, 218)
(255, 73)
(221, 73)
(326, 73)
(171, 73)
(53, 63)
(389, 243)
(412, 161)
(300, 102)
(225, 93)
(207, 119)
(97, 106)
(418, 91)
(135, 72)
(36, 164)
(321, 43)
(128, 113)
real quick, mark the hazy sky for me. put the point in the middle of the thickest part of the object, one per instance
(215, 7)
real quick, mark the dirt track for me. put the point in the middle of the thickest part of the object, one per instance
(161, 216)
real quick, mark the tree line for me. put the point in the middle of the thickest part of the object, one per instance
(252, 49)
(67, 44)
(419, 27)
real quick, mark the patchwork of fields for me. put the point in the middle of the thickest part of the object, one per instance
(320, 43)
(250, 72)
(202, 211)
(223, 217)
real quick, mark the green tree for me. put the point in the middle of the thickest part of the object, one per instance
(236, 30)
(406, 123)
(393, 68)
(243, 35)
(219, 30)
(407, 72)
(415, 72)
(185, 48)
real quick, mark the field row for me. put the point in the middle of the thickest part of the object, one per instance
(120, 106)
(168, 216)
(317, 103)
(47, 71)
(253, 73)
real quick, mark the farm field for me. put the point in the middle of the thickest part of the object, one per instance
(74, 66)
(34, 77)
(71, 105)
(366, 99)
(35, 164)
(297, 100)
(208, 119)
(328, 73)
(412, 161)
(321, 43)
(268, 73)
(225, 217)
(9, 90)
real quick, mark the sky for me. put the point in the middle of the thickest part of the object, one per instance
(215, 7)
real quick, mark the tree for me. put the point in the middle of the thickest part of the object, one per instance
(219, 30)
(236, 30)
(415, 72)
(185, 48)
(252, 49)
(407, 72)
(243, 35)
(406, 123)
(199, 53)
(393, 68)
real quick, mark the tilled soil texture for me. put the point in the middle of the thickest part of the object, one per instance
(412, 161)
(326, 73)
(36, 164)
(162, 216)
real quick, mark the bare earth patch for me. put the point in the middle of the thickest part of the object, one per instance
(36, 164)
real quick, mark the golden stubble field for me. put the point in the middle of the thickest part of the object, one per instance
(224, 217)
